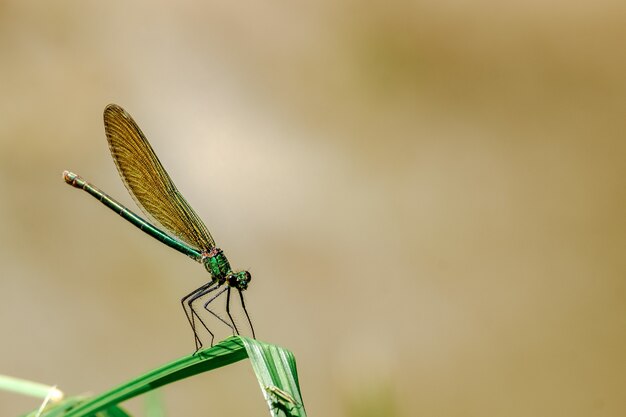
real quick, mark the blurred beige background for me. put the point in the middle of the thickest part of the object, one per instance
(430, 197)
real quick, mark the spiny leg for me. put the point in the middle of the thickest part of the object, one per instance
(193, 313)
(228, 310)
(190, 318)
(198, 295)
(243, 304)
(211, 299)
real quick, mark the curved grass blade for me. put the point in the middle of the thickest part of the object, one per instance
(148, 182)
(61, 408)
(274, 367)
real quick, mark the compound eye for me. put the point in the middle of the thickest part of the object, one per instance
(248, 276)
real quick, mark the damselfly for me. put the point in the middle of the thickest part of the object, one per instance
(157, 196)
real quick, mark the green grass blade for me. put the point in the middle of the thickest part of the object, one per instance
(32, 389)
(59, 409)
(224, 353)
(275, 368)
(153, 404)
(113, 411)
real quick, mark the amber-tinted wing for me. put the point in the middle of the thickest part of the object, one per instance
(148, 183)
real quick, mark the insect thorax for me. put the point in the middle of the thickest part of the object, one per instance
(218, 266)
(216, 263)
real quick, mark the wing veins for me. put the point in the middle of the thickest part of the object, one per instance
(148, 183)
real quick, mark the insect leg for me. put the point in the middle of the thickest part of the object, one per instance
(190, 317)
(200, 294)
(211, 299)
(228, 310)
(243, 304)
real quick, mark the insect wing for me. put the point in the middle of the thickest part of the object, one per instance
(148, 182)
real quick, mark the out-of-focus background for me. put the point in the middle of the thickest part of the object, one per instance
(431, 198)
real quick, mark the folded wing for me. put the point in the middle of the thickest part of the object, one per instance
(148, 183)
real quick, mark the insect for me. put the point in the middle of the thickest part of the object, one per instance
(281, 399)
(157, 196)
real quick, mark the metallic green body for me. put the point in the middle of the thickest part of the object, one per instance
(155, 193)
(78, 182)
(218, 266)
(214, 261)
